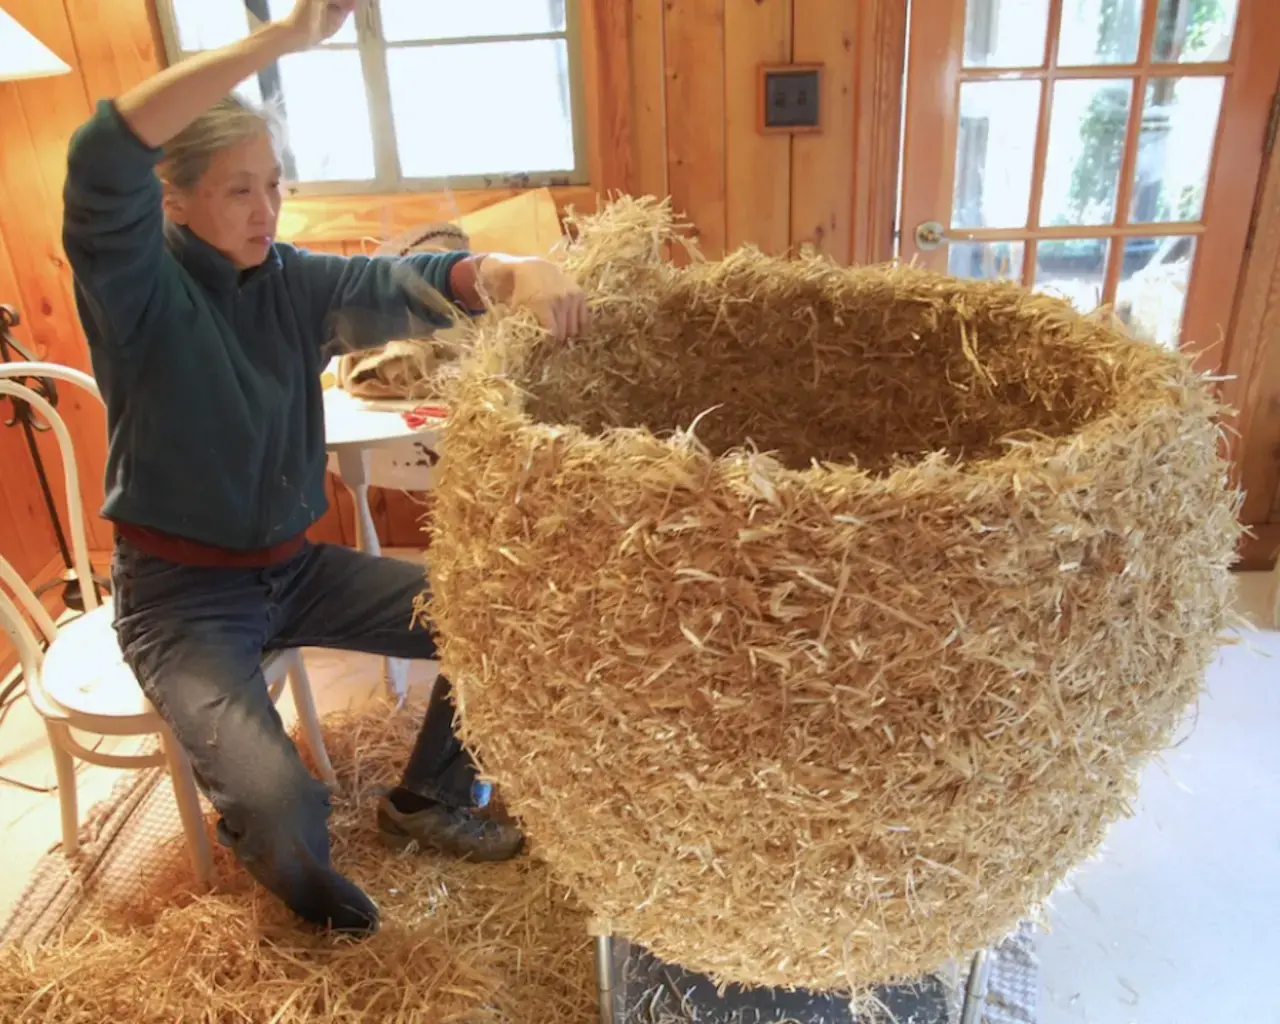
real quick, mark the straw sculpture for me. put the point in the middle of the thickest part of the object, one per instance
(817, 621)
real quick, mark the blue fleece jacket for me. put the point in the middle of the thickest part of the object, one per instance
(211, 376)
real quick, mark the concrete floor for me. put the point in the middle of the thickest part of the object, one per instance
(1173, 924)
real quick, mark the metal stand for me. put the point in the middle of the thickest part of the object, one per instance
(23, 416)
(634, 987)
(975, 990)
(604, 977)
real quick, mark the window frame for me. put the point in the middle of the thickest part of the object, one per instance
(373, 48)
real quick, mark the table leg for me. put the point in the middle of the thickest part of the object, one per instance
(353, 467)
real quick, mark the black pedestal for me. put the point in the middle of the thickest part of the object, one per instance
(647, 991)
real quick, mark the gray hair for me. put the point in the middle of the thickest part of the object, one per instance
(228, 122)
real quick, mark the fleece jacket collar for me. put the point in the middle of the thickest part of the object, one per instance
(212, 269)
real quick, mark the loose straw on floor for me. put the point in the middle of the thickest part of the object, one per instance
(495, 943)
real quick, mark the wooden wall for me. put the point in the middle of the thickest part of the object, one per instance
(110, 47)
(695, 71)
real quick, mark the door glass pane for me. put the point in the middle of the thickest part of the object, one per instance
(1004, 34)
(1074, 269)
(328, 115)
(206, 25)
(986, 260)
(1175, 148)
(281, 8)
(995, 148)
(525, 129)
(409, 20)
(1152, 293)
(1099, 32)
(1086, 145)
(1188, 31)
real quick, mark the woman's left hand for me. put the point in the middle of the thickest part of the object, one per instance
(538, 285)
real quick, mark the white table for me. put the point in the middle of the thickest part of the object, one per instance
(370, 444)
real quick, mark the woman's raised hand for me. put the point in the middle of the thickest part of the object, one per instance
(314, 21)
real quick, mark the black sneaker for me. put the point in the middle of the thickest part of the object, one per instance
(457, 832)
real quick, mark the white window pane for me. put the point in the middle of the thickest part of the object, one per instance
(487, 123)
(251, 90)
(1099, 32)
(1004, 35)
(280, 9)
(208, 24)
(328, 115)
(408, 20)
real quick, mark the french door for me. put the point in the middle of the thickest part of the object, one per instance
(1106, 151)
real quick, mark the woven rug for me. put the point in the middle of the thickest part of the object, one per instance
(133, 851)
(127, 841)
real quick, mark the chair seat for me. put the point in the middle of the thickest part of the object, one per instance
(85, 673)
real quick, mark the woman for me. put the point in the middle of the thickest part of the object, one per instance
(206, 336)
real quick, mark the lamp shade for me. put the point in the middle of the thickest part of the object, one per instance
(22, 55)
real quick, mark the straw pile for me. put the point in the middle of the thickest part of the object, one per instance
(475, 943)
(817, 621)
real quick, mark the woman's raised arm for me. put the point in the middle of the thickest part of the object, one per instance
(159, 108)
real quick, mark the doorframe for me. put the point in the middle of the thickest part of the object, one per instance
(882, 66)
(1251, 390)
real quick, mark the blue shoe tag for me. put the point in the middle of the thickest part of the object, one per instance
(481, 793)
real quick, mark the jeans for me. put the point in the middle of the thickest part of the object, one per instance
(195, 638)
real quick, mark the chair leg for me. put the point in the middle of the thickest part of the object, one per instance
(305, 703)
(188, 800)
(64, 767)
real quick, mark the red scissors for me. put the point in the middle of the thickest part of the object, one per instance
(421, 415)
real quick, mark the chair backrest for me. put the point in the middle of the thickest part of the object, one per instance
(12, 385)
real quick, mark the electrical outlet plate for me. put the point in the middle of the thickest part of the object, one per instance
(790, 98)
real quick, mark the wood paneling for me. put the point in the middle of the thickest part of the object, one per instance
(757, 166)
(606, 94)
(695, 72)
(26, 535)
(694, 82)
(648, 98)
(826, 32)
(38, 118)
(117, 44)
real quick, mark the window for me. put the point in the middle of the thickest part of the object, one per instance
(414, 94)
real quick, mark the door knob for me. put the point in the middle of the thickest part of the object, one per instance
(930, 235)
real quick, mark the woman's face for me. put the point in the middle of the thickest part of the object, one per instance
(235, 206)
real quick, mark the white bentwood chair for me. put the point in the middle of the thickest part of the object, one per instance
(78, 680)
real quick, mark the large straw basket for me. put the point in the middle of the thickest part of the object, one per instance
(817, 621)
